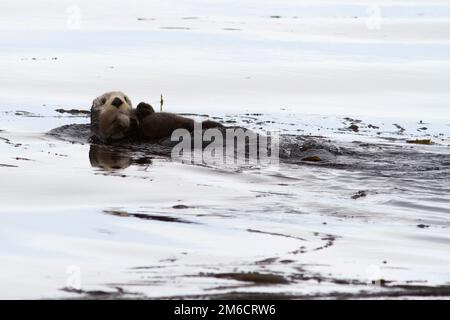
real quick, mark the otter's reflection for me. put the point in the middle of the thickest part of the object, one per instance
(111, 158)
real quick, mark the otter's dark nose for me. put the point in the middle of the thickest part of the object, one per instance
(117, 102)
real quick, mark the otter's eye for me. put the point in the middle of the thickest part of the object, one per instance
(103, 101)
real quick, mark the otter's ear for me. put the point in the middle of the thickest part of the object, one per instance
(98, 102)
(95, 111)
(143, 109)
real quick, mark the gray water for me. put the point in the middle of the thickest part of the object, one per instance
(373, 221)
(370, 221)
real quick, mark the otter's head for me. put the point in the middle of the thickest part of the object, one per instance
(112, 116)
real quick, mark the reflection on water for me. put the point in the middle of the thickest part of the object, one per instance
(109, 157)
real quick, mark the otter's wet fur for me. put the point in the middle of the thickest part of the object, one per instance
(157, 125)
(113, 118)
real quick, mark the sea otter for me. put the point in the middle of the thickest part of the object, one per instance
(114, 121)
(156, 125)
(113, 118)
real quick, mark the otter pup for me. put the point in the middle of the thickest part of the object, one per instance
(112, 117)
(156, 125)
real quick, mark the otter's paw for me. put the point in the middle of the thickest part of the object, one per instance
(143, 109)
